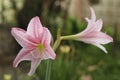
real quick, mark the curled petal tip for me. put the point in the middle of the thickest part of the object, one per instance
(13, 30)
(14, 65)
(101, 47)
(87, 19)
(111, 39)
(106, 51)
(93, 16)
(30, 74)
(53, 58)
(101, 20)
(91, 8)
(36, 17)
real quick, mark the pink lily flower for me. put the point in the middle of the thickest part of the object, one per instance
(35, 42)
(92, 34)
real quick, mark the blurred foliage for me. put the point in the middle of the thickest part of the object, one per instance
(73, 26)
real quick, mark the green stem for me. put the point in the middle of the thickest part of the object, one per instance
(49, 62)
(57, 42)
(48, 70)
(69, 37)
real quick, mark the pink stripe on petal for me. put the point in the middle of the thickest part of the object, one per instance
(21, 37)
(46, 36)
(34, 64)
(50, 52)
(97, 37)
(36, 53)
(22, 55)
(94, 26)
(103, 38)
(98, 25)
(32, 39)
(45, 56)
(90, 28)
(35, 27)
(86, 40)
(96, 40)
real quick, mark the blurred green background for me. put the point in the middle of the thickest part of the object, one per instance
(74, 60)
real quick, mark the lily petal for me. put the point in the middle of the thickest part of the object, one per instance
(21, 37)
(46, 36)
(90, 27)
(102, 38)
(34, 64)
(35, 28)
(101, 47)
(93, 26)
(93, 16)
(98, 25)
(22, 55)
(98, 37)
(94, 42)
(49, 53)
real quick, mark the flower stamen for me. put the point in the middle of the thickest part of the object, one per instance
(40, 47)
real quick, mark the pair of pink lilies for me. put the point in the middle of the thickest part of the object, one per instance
(36, 40)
